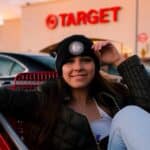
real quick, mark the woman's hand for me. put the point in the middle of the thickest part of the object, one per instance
(108, 53)
(111, 77)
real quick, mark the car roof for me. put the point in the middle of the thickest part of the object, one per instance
(28, 58)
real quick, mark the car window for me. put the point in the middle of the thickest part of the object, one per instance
(9, 67)
(5, 66)
(16, 68)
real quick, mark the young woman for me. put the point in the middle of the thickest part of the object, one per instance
(80, 110)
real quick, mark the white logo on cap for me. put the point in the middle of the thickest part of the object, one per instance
(76, 48)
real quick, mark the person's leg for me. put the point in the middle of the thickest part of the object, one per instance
(130, 130)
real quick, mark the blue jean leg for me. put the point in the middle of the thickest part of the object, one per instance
(130, 130)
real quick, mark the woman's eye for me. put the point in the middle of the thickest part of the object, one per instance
(69, 61)
(87, 59)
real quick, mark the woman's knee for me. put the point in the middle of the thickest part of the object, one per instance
(128, 115)
(129, 124)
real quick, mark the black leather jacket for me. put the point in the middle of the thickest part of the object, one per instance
(72, 130)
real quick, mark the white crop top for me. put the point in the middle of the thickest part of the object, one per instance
(101, 127)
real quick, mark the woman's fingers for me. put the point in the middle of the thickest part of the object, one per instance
(99, 45)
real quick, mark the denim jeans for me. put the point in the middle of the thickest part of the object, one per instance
(130, 130)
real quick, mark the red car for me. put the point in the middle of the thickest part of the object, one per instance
(13, 63)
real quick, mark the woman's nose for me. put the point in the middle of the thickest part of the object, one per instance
(77, 65)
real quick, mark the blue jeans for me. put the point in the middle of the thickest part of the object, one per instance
(130, 130)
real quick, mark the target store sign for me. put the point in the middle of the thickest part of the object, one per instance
(142, 37)
(92, 16)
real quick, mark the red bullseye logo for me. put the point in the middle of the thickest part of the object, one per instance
(92, 16)
(51, 21)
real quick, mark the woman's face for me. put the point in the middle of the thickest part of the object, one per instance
(78, 71)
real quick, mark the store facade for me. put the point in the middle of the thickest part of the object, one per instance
(125, 22)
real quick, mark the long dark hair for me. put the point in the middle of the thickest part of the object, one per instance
(56, 92)
(97, 85)
(117, 91)
(50, 97)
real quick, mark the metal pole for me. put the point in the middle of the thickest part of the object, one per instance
(14, 137)
(136, 25)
